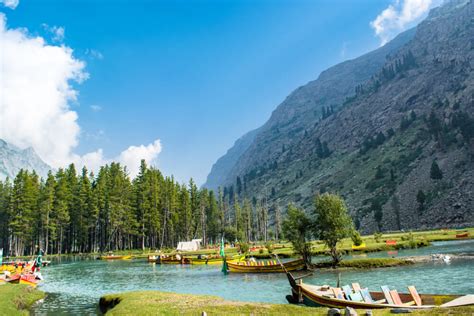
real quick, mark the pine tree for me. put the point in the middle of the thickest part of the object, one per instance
(435, 171)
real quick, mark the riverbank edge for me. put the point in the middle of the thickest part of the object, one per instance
(167, 303)
(17, 299)
(421, 239)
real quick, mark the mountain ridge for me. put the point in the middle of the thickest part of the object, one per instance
(13, 159)
(377, 146)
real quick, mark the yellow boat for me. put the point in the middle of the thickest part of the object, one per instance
(215, 260)
(115, 257)
(360, 247)
(269, 266)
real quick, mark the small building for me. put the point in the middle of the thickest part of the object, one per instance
(192, 245)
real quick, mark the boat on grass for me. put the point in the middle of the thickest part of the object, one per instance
(462, 235)
(361, 298)
(267, 266)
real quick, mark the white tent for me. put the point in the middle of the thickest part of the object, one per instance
(192, 245)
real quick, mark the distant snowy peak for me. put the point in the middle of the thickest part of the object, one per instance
(12, 159)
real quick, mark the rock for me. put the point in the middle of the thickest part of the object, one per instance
(349, 311)
(368, 313)
(334, 312)
(400, 311)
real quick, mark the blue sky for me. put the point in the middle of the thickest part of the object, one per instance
(195, 74)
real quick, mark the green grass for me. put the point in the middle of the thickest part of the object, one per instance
(285, 250)
(15, 299)
(163, 303)
(367, 263)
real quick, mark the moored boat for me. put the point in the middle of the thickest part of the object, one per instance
(174, 259)
(268, 266)
(115, 257)
(358, 298)
(29, 279)
(462, 235)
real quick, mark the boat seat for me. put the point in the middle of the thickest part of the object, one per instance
(368, 298)
(338, 293)
(356, 297)
(397, 300)
(356, 287)
(414, 294)
(386, 293)
(347, 291)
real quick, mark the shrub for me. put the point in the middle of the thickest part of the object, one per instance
(356, 239)
(269, 246)
(378, 237)
(244, 247)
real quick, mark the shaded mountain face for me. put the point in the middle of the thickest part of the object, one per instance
(394, 124)
(12, 159)
(301, 110)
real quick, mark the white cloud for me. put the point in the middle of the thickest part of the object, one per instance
(57, 32)
(12, 4)
(36, 88)
(399, 16)
(132, 156)
(94, 54)
(95, 108)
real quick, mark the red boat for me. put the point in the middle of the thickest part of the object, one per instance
(29, 279)
(462, 235)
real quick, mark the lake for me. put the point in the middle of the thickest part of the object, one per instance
(74, 287)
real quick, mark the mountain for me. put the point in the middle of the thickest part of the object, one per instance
(12, 159)
(302, 108)
(376, 129)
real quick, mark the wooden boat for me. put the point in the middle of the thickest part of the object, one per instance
(359, 247)
(268, 266)
(153, 259)
(317, 296)
(176, 259)
(215, 259)
(115, 257)
(28, 279)
(462, 235)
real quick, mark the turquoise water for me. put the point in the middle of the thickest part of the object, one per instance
(75, 287)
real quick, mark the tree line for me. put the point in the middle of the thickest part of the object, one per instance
(80, 212)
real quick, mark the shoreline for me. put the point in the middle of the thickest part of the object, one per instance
(168, 303)
(17, 299)
(285, 250)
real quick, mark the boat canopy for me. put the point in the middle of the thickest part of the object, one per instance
(192, 245)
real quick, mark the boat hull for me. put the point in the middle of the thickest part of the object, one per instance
(246, 267)
(310, 296)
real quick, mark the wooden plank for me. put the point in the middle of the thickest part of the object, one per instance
(460, 301)
(386, 293)
(395, 297)
(356, 287)
(414, 294)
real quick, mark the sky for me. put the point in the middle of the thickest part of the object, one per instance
(172, 82)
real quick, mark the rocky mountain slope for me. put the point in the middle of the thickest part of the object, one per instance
(302, 109)
(392, 132)
(12, 159)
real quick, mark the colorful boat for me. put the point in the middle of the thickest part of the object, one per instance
(29, 279)
(357, 298)
(462, 235)
(359, 247)
(268, 266)
(174, 259)
(115, 257)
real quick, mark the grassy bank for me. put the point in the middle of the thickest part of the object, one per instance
(367, 263)
(404, 240)
(15, 299)
(162, 303)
